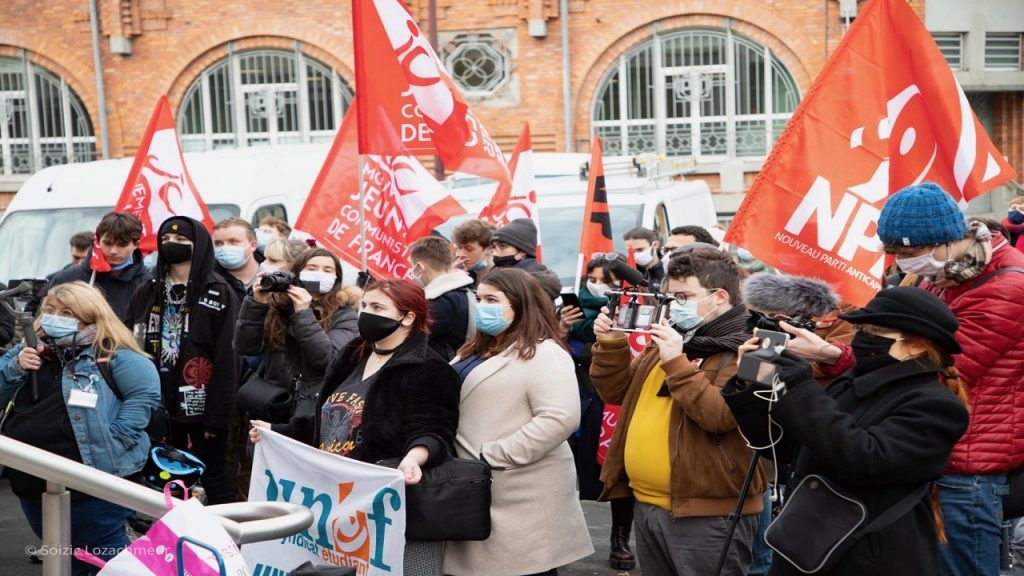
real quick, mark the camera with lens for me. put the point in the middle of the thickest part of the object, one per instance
(641, 311)
(278, 281)
(762, 322)
(759, 365)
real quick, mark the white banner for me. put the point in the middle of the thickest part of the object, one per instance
(358, 510)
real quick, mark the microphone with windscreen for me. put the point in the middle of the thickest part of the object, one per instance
(623, 271)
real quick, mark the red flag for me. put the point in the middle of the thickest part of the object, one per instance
(403, 202)
(158, 185)
(408, 104)
(519, 198)
(885, 112)
(596, 235)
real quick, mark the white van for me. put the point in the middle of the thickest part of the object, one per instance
(56, 202)
(253, 183)
(658, 203)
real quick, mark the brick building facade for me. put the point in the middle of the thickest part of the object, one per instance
(247, 72)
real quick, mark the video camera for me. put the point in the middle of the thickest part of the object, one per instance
(643, 309)
(759, 365)
(280, 281)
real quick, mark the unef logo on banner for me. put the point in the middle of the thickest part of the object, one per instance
(356, 540)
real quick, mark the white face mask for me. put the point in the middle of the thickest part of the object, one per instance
(644, 259)
(268, 268)
(597, 289)
(262, 239)
(325, 280)
(924, 265)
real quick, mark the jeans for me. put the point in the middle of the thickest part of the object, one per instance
(972, 511)
(762, 553)
(96, 525)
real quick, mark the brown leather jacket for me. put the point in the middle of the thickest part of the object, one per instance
(709, 457)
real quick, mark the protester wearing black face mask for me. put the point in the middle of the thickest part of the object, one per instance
(184, 318)
(882, 433)
(515, 245)
(388, 395)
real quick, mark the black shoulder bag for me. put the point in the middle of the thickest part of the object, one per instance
(451, 502)
(820, 522)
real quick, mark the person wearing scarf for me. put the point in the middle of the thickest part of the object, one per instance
(676, 447)
(71, 410)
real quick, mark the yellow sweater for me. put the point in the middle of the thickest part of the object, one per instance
(647, 459)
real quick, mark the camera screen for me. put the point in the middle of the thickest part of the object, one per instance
(638, 315)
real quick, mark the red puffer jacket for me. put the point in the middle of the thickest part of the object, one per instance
(992, 365)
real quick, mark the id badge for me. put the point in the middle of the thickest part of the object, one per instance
(82, 399)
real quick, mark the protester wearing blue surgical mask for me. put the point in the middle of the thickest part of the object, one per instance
(676, 448)
(116, 245)
(234, 247)
(86, 394)
(519, 405)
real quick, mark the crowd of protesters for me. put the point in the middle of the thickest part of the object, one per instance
(727, 444)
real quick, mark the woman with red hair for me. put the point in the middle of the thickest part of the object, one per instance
(388, 395)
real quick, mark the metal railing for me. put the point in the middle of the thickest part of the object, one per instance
(244, 521)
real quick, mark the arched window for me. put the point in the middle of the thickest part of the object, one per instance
(671, 96)
(262, 97)
(42, 121)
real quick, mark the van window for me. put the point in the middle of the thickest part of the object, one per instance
(277, 211)
(35, 242)
(661, 223)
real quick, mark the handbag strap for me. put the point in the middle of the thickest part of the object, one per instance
(895, 512)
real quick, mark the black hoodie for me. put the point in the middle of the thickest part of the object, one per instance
(117, 285)
(201, 386)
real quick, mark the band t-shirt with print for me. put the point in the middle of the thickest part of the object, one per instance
(341, 415)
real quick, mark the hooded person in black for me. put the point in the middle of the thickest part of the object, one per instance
(185, 319)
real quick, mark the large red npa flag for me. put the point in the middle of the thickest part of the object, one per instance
(407, 103)
(596, 236)
(158, 185)
(517, 199)
(884, 113)
(403, 203)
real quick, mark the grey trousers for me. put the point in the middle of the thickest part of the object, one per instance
(667, 546)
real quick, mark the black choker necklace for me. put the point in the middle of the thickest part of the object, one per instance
(383, 352)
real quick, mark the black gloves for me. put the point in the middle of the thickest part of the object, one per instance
(792, 369)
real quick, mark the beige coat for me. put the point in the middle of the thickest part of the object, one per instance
(518, 414)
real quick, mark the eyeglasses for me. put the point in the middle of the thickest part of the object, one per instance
(682, 297)
(607, 256)
(65, 313)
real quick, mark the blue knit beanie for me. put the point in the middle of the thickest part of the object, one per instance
(919, 215)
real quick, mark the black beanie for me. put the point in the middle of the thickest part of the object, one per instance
(521, 233)
(913, 311)
(178, 225)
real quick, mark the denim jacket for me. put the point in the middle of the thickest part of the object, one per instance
(111, 437)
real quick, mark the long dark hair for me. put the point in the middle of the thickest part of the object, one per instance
(324, 306)
(534, 316)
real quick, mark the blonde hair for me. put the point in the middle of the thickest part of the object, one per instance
(90, 306)
(287, 250)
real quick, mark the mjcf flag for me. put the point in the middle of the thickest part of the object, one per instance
(885, 112)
